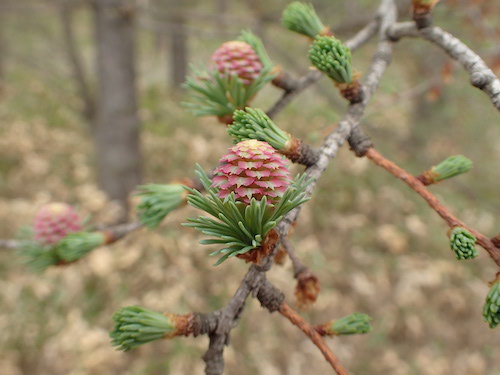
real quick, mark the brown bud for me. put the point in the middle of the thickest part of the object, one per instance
(307, 289)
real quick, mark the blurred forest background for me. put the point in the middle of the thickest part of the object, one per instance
(90, 105)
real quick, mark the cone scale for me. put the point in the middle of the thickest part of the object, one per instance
(237, 58)
(252, 169)
(54, 221)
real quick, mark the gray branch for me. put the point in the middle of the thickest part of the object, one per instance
(255, 276)
(481, 76)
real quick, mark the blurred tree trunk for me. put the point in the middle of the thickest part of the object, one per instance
(3, 52)
(116, 126)
(67, 9)
(178, 50)
(221, 7)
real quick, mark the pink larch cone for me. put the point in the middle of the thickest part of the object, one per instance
(237, 58)
(54, 221)
(252, 169)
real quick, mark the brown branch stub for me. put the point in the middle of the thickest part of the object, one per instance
(184, 324)
(307, 288)
(359, 142)
(301, 153)
(280, 256)
(315, 337)
(353, 91)
(433, 202)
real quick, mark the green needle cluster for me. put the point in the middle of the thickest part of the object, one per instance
(463, 244)
(76, 245)
(450, 167)
(135, 326)
(252, 123)
(157, 201)
(240, 228)
(333, 58)
(38, 257)
(491, 309)
(214, 94)
(352, 324)
(302, 18)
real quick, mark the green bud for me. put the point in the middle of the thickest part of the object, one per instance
(76, 245)
(302, 18)
(157, 201)
(135, 326)
(463, 243)
(491, 309)
(253, 123)
(333, 58)
(450, 167)
(352, 324)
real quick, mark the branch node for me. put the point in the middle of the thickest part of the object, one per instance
(478, 80)
(270, 297)
(359, 142)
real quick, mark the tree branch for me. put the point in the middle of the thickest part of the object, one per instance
(481, 76)
(433, 202)
(315, 337)
(299, 85)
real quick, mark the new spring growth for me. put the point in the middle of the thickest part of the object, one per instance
(302, 18)
(352, 324)
(69, 249)
(38, 257)
(450, 167)
(249, 195)
(333, 58)
(214, 94)
(491, 309)
(76, 245)
(136, 325)
(252, 123)
(463, 243)
(157, 201)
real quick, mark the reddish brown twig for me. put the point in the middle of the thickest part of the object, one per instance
(315, 337)
(432, 201)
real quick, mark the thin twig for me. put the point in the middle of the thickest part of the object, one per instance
(10, 244)
(298, 265)
(433, 202)
(358, 40)
(315, 337)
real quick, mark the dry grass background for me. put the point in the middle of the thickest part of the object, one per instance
(375, 247)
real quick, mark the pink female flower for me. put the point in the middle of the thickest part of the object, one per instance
(238, 58)
(54, 221)
(252, 169)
